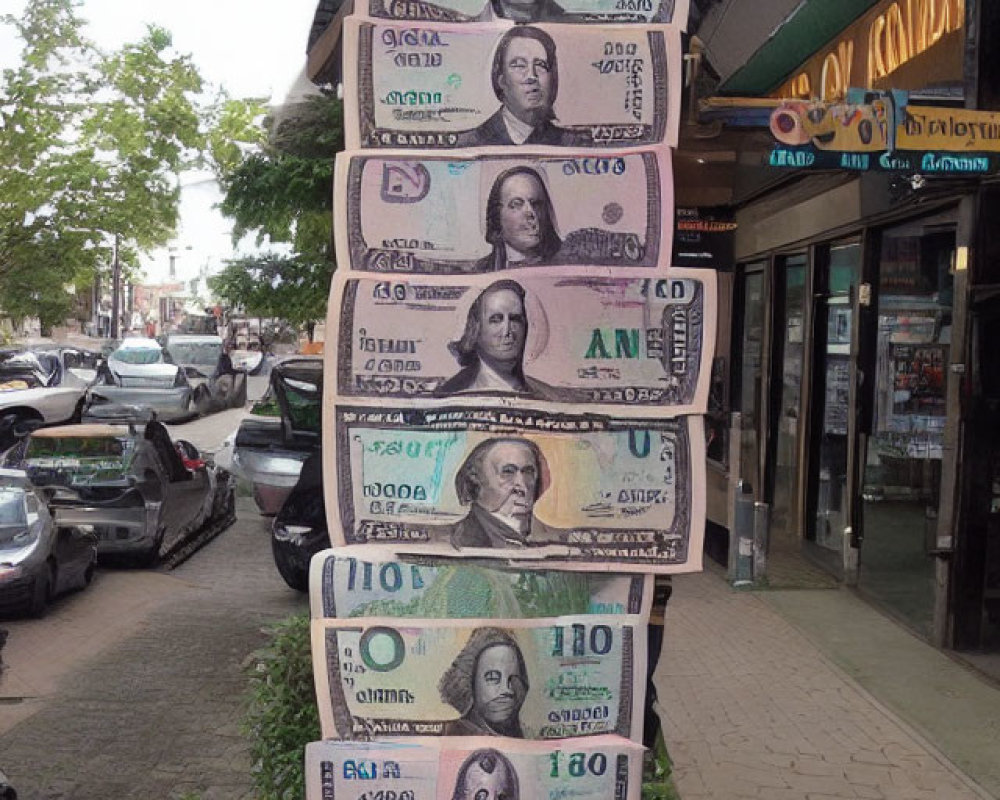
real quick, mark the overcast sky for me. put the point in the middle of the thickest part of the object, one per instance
(253, 48)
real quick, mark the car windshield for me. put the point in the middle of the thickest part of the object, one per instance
(138, 355)
(303, 405)
(12, 508)
(77, 447)
(202, 353)
(12, 380)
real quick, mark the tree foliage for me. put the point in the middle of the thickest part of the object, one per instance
(291, 288)
(90, 146)
(282, 192)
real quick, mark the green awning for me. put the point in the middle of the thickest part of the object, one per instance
(812, 25)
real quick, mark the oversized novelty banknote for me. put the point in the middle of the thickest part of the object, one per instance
(557, 336)
(475, 768)
(589, 492)
(547, 678)
(365, 581)
(673, 12)
(473, 211)
(448, 86)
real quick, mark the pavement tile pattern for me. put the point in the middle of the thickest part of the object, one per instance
(157, 714)
(752, 709)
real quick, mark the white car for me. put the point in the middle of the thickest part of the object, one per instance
(42, 387)
(138, 374)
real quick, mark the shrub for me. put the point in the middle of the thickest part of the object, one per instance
(282, 716)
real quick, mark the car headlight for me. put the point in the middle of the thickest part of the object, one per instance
(24, 538)
(291, 533)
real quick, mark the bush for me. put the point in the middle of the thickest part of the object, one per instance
(282, 716)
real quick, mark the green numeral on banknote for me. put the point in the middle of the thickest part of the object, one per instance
(390, 577)
(601, 640)
(579, 764)
(382, 649)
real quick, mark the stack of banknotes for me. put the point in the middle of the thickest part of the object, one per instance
(552, 411)
(429, 670)
(514, 383)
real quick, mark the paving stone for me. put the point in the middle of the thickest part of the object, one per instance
(157, 714)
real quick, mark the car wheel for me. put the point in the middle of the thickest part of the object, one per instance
(45, 586)
(88, 573)
(151, 557)
(238, 398)
(203, 401)
(294, 575)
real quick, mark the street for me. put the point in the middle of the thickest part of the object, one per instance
(140, 678)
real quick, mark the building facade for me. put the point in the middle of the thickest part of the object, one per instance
(859, 373)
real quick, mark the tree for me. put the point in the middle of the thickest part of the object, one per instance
(287, 287)
(90, 146)
(283, 193)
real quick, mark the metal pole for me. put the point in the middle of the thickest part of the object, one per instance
(741, 538)
(116, 274)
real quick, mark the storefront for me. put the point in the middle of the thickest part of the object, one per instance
(863, 372)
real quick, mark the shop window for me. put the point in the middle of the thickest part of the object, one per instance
(903, 466)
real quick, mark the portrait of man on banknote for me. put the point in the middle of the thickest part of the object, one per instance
(490, 353)
(520, 222)
(487, 682)
(501, 480)
(487, 774)
(525, 78)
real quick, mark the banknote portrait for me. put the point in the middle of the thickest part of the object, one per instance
(490, 351)
(525, 78)
(487, 682)
(528, 10)
(495, 83)
(520, 222)
(500, 480)
(487, 774)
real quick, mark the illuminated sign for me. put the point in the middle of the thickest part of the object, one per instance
(878, 46)
(885, 133)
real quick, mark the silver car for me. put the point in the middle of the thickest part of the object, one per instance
(141, 491)
(137, 375)
(38, 559)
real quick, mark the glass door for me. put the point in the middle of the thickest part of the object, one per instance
(828, 484)
(902, 471)
(790, 276)
(751, 351)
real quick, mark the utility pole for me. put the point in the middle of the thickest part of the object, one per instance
(116, 275)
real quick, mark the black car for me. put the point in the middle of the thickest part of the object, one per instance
(299, 530)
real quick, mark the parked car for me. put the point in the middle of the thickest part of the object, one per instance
(42, 387)
(216, 383)
(299, 530)
(6, 790)
(38, 557)
(137, 374)
(250, 360)
(139, 490)
(281, 432)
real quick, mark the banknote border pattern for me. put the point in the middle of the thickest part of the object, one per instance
(329, 598)
(682, 395)
(344, 721)
(664, 15)
(679, 533)
(370, 136)
(366, 258)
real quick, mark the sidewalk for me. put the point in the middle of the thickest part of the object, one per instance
(815, 695)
